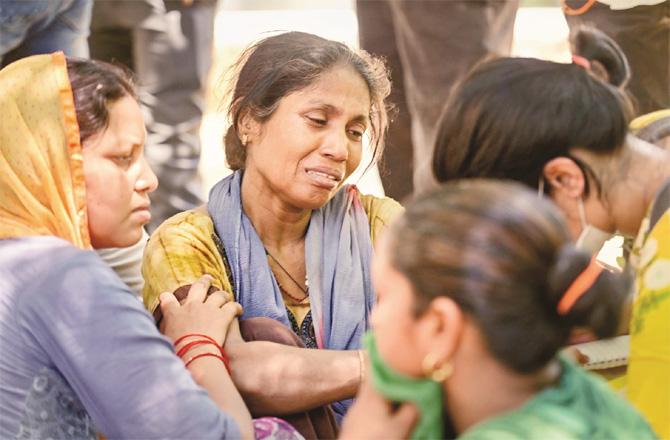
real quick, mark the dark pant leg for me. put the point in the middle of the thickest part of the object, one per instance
(318, 423)
(377, 36)
(169, 46)
(32, 27)
(643, 32)
(439, 42)
(172, 65)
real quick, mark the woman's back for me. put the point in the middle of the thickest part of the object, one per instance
(579, 406)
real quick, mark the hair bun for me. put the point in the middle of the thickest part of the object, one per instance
(608, 62)
(600, 307)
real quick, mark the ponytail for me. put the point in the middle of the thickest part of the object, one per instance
(607, 60)
(598, 301)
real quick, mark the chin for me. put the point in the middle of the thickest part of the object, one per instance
(317, 201)
(117, 240)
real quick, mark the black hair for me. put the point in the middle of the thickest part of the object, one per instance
(510, 116)
(95, 85)
(505, 257)
(285, 63)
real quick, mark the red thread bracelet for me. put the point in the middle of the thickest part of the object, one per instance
(182, 351)
(201, 355)
(209, 338)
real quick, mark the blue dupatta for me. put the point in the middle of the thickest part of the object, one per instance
(338, 252)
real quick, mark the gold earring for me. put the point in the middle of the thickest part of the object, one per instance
(433, 371)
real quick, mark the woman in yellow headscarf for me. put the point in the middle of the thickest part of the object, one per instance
(78, 352)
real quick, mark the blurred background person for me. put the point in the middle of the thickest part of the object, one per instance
(642, 29)
(429, 45)
(32, 27)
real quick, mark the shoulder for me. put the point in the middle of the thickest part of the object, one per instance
(181, 250)
(381, 208)
(192, 229)
(54, 261)
(195, 222)
(66, 283)
(579, 406)
(381, 211)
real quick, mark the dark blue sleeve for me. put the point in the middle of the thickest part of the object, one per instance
(103, 342)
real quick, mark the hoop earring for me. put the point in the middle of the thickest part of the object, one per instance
(433, 371)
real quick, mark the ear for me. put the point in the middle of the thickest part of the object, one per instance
(564, 177)
(248, 126)
(442, 327)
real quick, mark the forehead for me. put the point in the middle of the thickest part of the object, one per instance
(340, 87)
(126, 125)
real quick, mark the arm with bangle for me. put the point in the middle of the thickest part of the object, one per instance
(203, 355)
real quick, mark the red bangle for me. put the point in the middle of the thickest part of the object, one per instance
(221, 356)
(209, 338)
(201, 355)
(182, 351)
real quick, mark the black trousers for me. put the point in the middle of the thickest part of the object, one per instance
(429, 45)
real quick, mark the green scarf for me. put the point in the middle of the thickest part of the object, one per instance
(426, 394)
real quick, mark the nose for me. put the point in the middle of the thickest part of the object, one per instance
(336, 146)
(147, 180)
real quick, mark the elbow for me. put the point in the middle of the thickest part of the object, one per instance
(261, 390)
(265, 379)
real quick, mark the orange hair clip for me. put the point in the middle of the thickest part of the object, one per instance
(579, 286)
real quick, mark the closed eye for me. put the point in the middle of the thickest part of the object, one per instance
(124, 160)
(318, 121)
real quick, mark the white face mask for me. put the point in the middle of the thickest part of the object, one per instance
(591, 239)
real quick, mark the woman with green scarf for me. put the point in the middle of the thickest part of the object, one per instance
(478, 288)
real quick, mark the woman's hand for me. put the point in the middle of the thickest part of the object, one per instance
(372, 416)
(198, 313)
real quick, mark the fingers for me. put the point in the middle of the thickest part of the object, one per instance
(168, 303)
(405, 418)
(218, 298)
(198, 290)
(230, 311)
(374, 402)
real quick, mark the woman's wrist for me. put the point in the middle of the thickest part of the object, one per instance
(193, 347)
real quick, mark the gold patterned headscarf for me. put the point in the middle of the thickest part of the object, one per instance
(42, 186)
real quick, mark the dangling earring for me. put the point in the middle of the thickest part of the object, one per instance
(245, 140)
(433, 371)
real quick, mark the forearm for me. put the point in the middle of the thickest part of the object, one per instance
(277, 379)
(209, 373)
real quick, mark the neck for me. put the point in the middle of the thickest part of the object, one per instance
(476, 373)
(277, 223)
(641, 170)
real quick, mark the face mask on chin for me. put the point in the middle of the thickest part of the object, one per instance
(591, 239)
